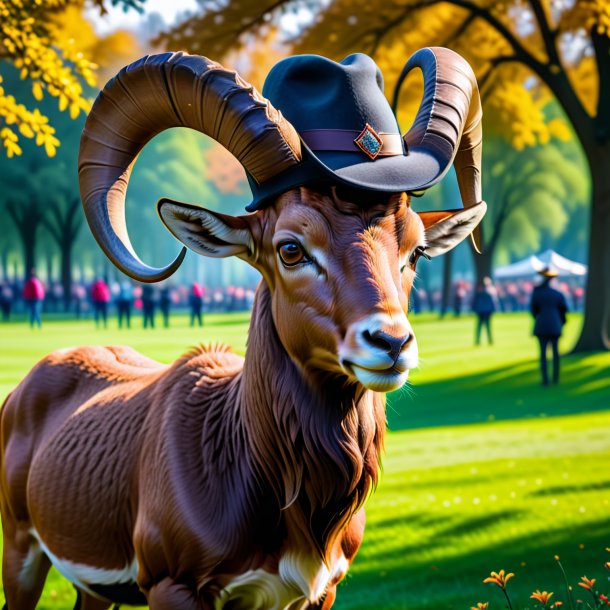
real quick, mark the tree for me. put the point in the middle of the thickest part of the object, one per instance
(564, 46)
(63, 222)
(35, 40)
(27, 217)
(171, 165)
(530, 194)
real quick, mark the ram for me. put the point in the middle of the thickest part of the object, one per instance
(218, 481)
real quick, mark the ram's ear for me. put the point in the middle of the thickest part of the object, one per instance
(206, 232)
(445, 230)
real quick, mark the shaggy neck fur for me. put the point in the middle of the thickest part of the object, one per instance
(315, 441)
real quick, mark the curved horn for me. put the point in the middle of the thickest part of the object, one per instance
(448, 122)
(153, 94)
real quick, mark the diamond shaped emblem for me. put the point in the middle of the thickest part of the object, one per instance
(369, 142)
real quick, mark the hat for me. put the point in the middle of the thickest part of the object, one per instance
(349, 133)
(318, 121)
(548, 272)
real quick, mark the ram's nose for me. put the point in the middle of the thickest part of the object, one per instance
(389, 342)
(379, 350)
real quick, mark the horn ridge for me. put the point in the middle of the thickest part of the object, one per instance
(448, 121)
(155, 93)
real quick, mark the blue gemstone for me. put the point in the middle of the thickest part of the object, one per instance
(370, 142)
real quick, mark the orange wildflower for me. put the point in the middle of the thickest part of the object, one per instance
(499, 578)
(587, 583)
(480, 606)
(542, 596)
(557, 604)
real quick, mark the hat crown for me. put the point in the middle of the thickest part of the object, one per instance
(314, 92)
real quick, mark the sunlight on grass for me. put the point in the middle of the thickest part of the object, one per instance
(461, 492)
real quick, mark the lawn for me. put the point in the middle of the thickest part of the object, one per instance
(484, 469)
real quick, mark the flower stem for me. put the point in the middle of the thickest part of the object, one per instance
(510, 606)
(568, 591)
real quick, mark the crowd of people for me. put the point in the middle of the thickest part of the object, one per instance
(547, 305)
(102, 298)
(511, 295)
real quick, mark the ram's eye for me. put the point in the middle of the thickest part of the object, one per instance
(291, 253)
(419, 251)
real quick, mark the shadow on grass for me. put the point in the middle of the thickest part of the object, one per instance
(404, 580)
(453, 528)
(565, 489)
(512, 392)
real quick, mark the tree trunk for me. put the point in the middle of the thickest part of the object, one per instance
(49, 265)
(29, 253)
(5, 272)
(66, 273)
(595, 334)
(482, 263)
(447, 284)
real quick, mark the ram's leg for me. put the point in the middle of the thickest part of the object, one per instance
(85, 601)
(24, 569)
(170, 595)
(349, 543)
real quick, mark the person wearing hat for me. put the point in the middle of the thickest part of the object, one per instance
(549, 308)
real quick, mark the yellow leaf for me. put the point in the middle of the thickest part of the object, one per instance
(50, 149)
(74, 110)
(37, 91)
(63, 102)
(26, 130)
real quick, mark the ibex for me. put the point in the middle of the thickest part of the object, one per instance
(218, 481)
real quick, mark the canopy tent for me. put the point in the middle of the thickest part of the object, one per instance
(530, 266)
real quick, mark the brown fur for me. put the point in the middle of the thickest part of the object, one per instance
(214, 466)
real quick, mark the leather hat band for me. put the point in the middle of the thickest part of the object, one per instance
(344, 140)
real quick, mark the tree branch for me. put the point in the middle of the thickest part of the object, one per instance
(53, 230)
(75, 221)
(497, 61)
(12, 208)
(460, 31)
(520, 53)
(549, 37)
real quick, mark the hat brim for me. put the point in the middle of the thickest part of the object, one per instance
(548, 273)
(412, 172)
(415, 171)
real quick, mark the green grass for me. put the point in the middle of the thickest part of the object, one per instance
(484, 469)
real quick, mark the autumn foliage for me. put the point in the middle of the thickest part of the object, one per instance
(54, 49)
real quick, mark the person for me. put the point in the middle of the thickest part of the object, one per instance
(484, 304)
(100, 295)
(549, 308)
(458, 298)
(33, 295)
(6, 301)
(165, 301)
(148, 305)
(196, 303)
(124, 302)
(79, 295)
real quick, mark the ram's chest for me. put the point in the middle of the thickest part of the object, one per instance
(300, 579)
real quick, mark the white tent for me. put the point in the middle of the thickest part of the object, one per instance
(530, 266)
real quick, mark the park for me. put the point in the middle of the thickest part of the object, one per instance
(512, 477)
(491, 469)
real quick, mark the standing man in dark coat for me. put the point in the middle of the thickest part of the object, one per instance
(149, 303)
(549, 308)
(484, 304)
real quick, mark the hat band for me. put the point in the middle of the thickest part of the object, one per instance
(342, 140)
